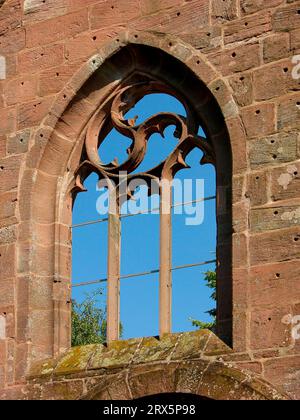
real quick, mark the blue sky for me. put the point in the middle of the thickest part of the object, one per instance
(140, 238)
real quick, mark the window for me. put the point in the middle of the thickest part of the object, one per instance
(151, 172)
(68, 157)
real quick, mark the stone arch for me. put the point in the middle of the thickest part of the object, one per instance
(205, 379)
(45, 205)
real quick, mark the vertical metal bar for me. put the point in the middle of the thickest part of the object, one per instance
(165, 281)
(114, 260)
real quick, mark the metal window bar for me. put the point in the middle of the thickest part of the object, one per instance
(146, 273)
(124, 216)
(165, 270)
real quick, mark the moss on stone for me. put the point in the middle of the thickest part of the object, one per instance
(76, 359)
(216, 347)
(175, 363)
(191, 345)
(121, 354)
(116, 354)
(42, 369)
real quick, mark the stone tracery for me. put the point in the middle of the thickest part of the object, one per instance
(120, 177)
(112, 115)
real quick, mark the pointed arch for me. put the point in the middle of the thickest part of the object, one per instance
(45, 201)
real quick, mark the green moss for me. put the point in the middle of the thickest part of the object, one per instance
(76, 359)
(191, 345)
(42, 369)
(117, 354)
(153, 349)
(120, 354)
(216, 347)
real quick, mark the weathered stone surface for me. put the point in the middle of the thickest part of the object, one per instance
(40, 10)
(267, 281)
(253, 6)
(114, 356)
(206, 39)
(18, 142)
(295, 40)
(76, 360)
(8, 202)
(190, 346)
(285, 182)
(237, 59)
(55, 79)
(7, 121)
(257, 188)
(38, 59)
(274, 217)
(286, 18)
(62, 390)
(289, 111)
(259, 120)
(12, 41)
(152, 349)
(223, 11)
(22, 89)
(273, 150)
(275, 246)
(56, 29)
(274, 80)
(242, 86)
(31, 113)
(276, 47)
(287, 368)
(124, 353)
(247, 28)
(9, 173)
(268, 330)
(104, 14)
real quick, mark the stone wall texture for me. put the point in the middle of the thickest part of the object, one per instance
(56, 54)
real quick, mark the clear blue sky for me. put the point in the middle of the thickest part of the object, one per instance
(140, 238)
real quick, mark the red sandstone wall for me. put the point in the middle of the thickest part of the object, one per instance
(250, 43)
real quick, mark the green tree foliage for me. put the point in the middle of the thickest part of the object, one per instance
(211, 282)
(88, 321)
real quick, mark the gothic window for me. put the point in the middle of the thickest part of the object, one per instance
(124, 179)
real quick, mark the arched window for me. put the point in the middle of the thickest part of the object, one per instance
(65, 154)
(135, 174)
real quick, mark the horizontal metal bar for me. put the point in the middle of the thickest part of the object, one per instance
(124, 216)
(94, 222)
(145, 273)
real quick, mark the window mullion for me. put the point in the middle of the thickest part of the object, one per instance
(114, 272)
(165, 280)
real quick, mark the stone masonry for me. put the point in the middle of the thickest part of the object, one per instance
(59, 65)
